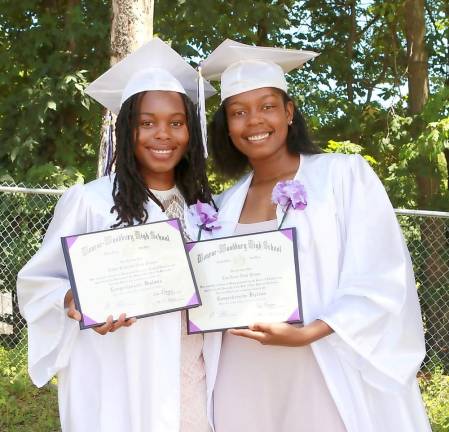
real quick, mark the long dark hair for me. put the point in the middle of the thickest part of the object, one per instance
(232, 163)
(130, 192)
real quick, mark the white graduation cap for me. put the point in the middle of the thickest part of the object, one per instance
(154, 66)
(245, 67)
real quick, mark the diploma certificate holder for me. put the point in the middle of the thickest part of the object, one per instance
(141, 270)
(245, 279)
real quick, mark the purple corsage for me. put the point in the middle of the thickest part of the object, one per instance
(289, 193)
(204, 216)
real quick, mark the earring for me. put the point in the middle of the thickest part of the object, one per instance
(290, 122)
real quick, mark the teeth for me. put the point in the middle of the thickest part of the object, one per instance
(161, 151)
(258, 137)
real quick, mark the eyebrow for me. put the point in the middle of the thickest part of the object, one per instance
(147, 113)
(153, 114)
(265, 96)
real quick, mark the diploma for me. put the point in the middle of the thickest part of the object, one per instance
(245, 279)
(140, 270)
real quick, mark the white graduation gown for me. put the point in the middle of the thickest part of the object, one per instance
(128, 380)
(356, 275)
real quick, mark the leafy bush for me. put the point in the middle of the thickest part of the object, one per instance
(24, 407)
(435, 392)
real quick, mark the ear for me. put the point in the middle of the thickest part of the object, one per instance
(289, 109)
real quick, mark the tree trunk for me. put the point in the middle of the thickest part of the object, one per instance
(427, 178)
(69, 24)
(418, 93)
(446, 13)
(262, 35)
(350, 49)
(446, 157)
(418, 78)
(132, 26)
(432, 269)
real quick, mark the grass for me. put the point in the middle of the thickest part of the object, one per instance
(25, 408)
(435, 392)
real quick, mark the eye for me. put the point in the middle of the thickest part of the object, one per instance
(146, 123)
(267, 107)
(238, 113)
(177, 123)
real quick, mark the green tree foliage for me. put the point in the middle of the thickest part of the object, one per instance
(51, 49)
(201, 26)
(356, 89)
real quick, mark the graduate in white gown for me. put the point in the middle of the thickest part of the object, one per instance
(352, 366)
(149, 377)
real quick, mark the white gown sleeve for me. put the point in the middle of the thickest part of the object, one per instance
(375, 313)
(41, 286)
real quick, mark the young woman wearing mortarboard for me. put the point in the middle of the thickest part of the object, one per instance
(149, 377)
(352, 366)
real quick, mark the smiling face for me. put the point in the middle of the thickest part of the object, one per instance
(258, 123)
(161, 137)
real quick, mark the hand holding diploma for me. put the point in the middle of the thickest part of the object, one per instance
(109, 326)
(245, 279)
(140, 270)
(284, 334)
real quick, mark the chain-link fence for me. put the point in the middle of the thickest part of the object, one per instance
(24, 217)
(427, 237)
(25, 214)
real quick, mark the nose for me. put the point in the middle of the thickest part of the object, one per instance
(254, 118)
(162, 132)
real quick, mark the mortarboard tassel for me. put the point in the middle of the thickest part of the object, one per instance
(109, 146)
(202, 111)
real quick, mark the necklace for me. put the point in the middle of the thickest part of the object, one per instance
(173, 203)
(287, 174)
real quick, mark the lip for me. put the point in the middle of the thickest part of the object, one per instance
(161, 153)
(258, 137)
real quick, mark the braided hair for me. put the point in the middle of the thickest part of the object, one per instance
(232, 163)
(130, 192)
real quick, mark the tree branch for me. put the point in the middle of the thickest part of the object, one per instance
(368, 25)
(432, 19)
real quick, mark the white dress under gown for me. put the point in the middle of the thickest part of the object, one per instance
(193, 375)
(260, 378)
(128, 380)
(356, 275)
